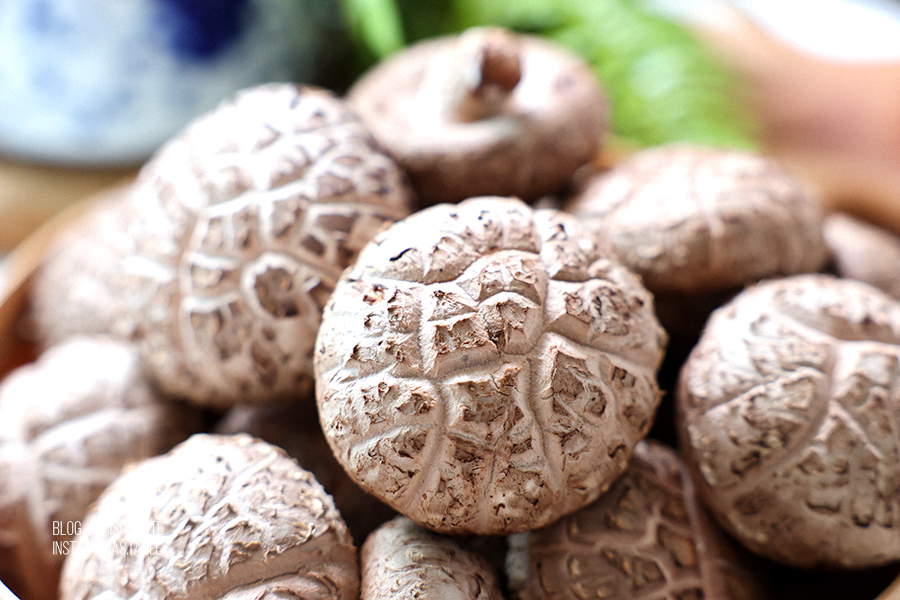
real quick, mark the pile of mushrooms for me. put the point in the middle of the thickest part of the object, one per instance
(422, 321)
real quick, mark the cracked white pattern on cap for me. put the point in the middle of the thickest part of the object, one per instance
(482, 368)
(245, 221)
(227, 517)
(788, 413)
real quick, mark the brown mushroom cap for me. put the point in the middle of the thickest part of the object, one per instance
(787, 413)
(246, 220)
(487, 112)
(482, 368)
(692, 219)
(402, 560)
(217, 517)
(646, 537)
(863, 251)
(68, 424)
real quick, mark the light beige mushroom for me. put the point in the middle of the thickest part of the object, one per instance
(68, 424)
(787, 414)
(863, 251)
(81, 287)
(694, 219)
(245, 221)
(482, 368)
(218, 517)
(486, 112)
(402, 560)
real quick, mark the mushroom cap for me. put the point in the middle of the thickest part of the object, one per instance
(787, 415)
(647, 532)
(483, 369)
(80, 287)
(402, 560)
(245, 222)
(863, 251)
(692, 219)
(68, 424)
(217, 517)
(551, 122)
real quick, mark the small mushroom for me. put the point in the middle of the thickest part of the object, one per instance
(483, 369)
(218, 517)
(787, 412)
(244, 223)
(486, 112)
(402, 560)
(694, 219)
(68, 424)
(863, 251)
(647, 536)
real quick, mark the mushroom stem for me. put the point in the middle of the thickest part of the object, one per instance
(492, 71)
(477, 79)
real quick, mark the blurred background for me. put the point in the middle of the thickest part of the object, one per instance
(90, 88)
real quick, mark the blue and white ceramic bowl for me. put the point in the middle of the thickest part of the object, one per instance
(105, 82)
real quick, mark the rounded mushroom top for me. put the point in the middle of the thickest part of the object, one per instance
(787, 409)
(402, 560)
(68, 424)
(647, 532)
(863, 251)
(245, 222)
(695, 219)
(487, 112)
(217, 517)
(482, 368)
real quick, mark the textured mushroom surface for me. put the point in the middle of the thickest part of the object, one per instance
(402, 560)
(646, 537)
(697, 219)
(68, 424)
(788, 414)
(227, 517)
(295, 428)
(483, 369)
(863, 251)
(487, 112)
(246, 220)
(79, 288)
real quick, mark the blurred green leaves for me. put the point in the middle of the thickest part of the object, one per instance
(662, 83)
(376, 24)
